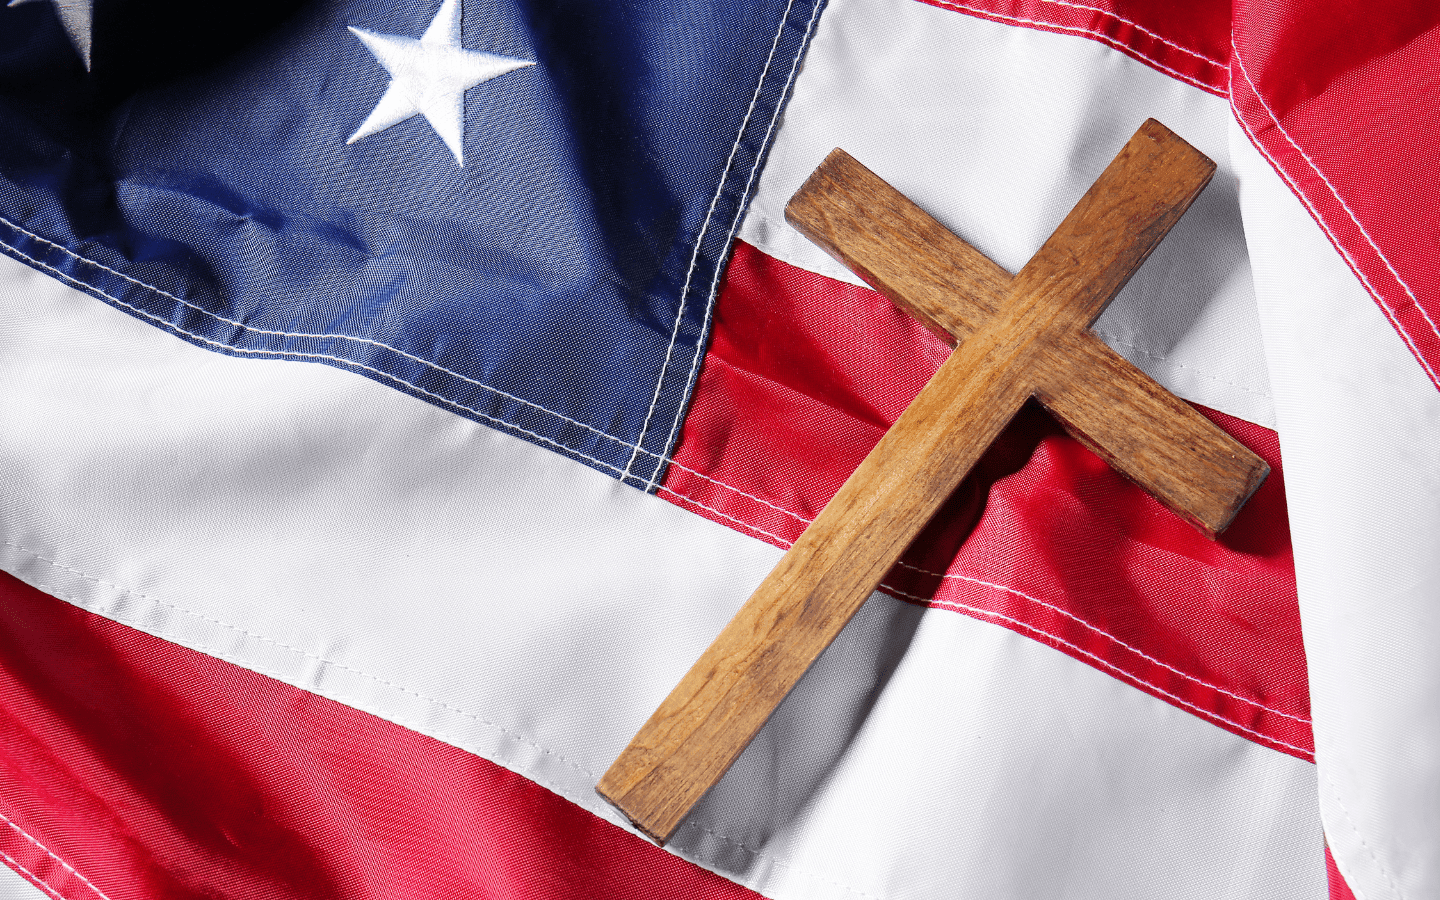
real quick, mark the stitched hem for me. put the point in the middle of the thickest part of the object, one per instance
(1389, 308)
(56, 858)
(1216, 86)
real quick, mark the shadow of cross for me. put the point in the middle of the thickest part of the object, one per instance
(1017, 338)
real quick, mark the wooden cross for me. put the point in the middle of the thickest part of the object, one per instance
(1021, 337)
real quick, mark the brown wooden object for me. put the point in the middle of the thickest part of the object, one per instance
(1018, 337)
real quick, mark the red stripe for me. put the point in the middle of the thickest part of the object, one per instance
(804, 375)
(41, 866)
(132, 767)
(1339, 890)
(1189, 41)
(1335, 93)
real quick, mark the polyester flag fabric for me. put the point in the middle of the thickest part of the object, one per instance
(585, 228)
(373, 628)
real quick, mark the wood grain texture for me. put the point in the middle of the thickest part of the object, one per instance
(1146, 433)
(1019, 337)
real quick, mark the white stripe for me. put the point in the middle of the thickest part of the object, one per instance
(338, 535)
(997, 131)
(15, 886)
(1360, 431)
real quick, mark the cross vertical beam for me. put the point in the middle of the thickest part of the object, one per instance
(1019, 337)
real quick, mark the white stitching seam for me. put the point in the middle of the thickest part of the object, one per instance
(1140, 28)
(69, 868)
(700, 238)
(296, 650)
(781, 509)
(734, 227)
(1104, 664)
(307, 355)
(1113, 341)
(1105, 634)
(1255, 90)
(1350, 820)
(295, 334)
(1098, 35)
(1334, 241)
(1240, 63)
(665, 489)
(31, 876)
(1010, 590)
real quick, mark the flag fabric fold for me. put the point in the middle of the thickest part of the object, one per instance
(398, 399)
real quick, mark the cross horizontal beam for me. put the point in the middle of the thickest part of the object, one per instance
(1121, 414)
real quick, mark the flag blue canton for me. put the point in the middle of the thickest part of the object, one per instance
(557, 284)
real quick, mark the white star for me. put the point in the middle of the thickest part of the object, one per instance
(429, 77)
(75, 15)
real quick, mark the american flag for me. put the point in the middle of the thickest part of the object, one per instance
(396, 399)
